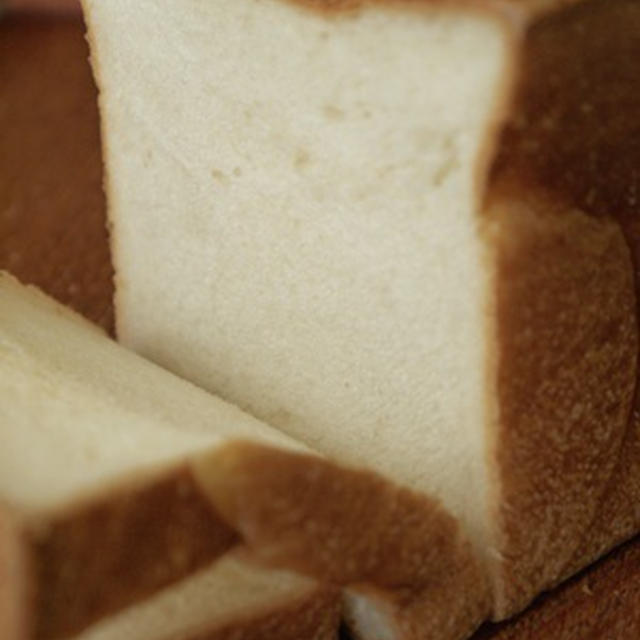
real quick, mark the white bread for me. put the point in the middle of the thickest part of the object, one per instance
(231, 600)
(392, 229)
(118, 479)
(99, 505)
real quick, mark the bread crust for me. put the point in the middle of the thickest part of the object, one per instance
(567, 339)
(92, 558)
(571, 142)
(351, 527)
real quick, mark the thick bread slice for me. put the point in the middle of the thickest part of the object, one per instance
(392, 229)
(117, 479)
(98, 503)
(231, 600)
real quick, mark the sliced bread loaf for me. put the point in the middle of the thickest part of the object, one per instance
(392, 229)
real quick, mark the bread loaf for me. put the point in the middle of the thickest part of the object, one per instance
(402, 232)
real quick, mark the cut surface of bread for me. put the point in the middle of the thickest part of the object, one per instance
(118, 479)
(79, 410)
(233, 599)
(331, 214)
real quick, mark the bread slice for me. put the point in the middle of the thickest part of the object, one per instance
(392, 229)
(98, 502)
(118, 479)
(231, 599)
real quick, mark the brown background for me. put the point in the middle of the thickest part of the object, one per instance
(52, 233)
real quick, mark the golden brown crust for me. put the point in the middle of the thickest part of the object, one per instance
(349, 527)
(618, 515)
(576, 129)
(573, 135)
(314, 616)
(566, 375)
(112, 551)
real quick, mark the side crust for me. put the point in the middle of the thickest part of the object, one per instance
(573, 139)
(516, 10)
(350, 527)
(100, 556)
(566, 369)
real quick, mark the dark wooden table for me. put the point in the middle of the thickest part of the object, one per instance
(52, 233)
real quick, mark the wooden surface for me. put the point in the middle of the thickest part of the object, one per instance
(52, 233)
